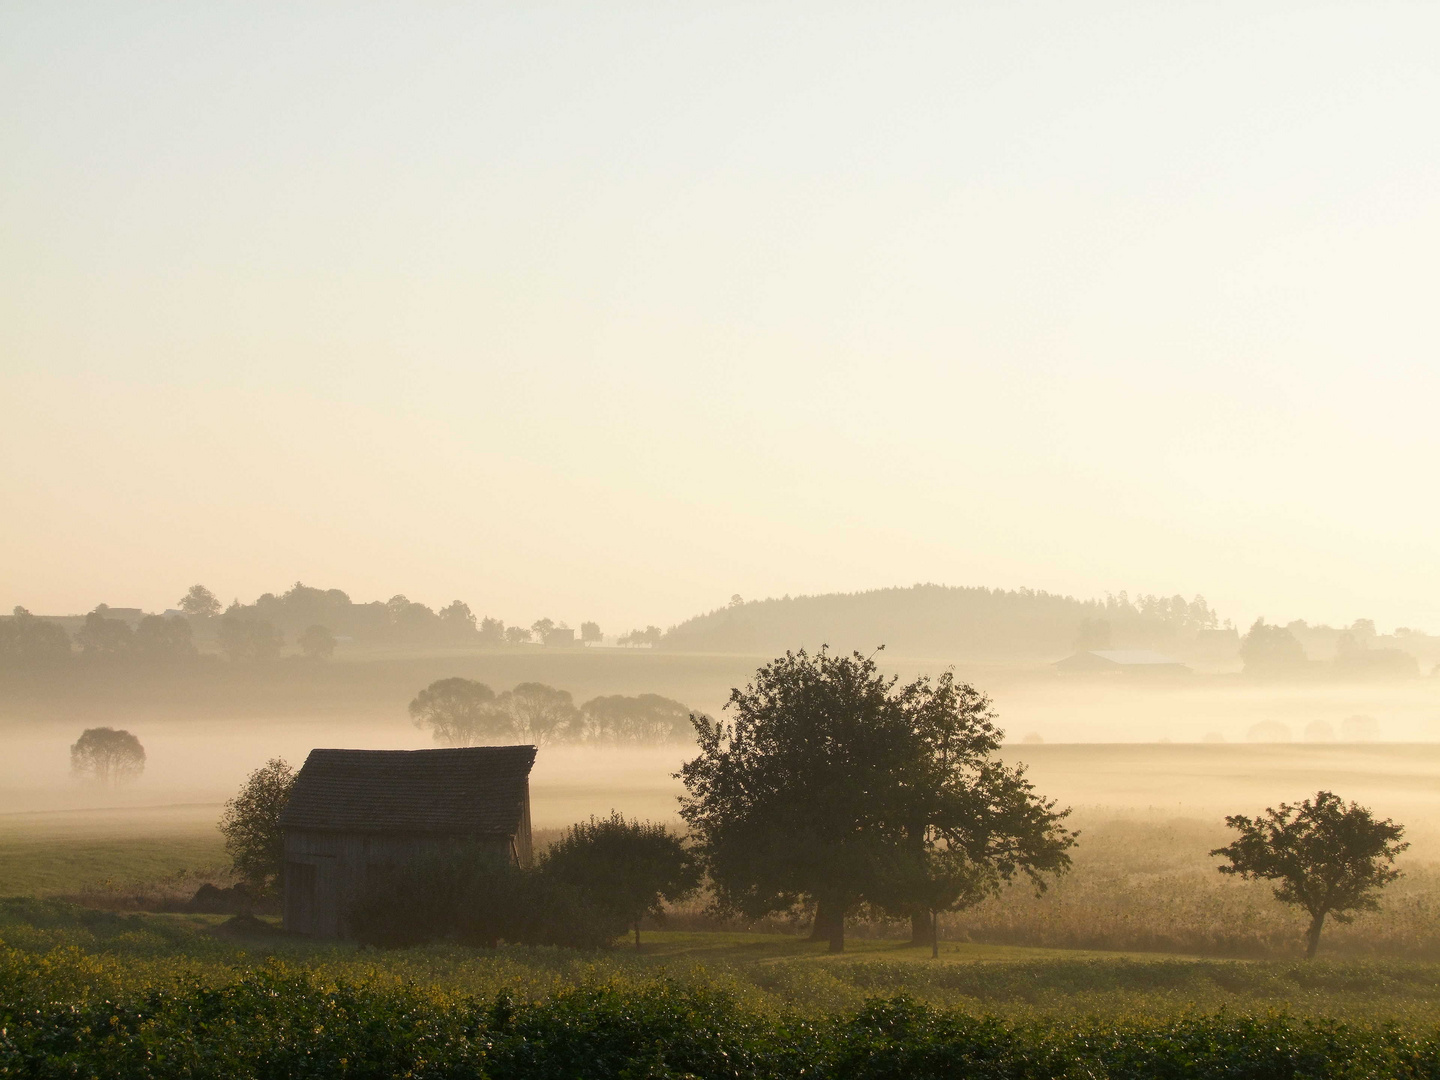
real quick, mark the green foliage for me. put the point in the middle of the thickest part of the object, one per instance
(416, 901)
(102, 637)
(459, 712)
(538, 713)
(200, 602)
(27, 642)
(107, 756)
(251, 822)
(833, 785)
(1267, 649)
(478, 898)
(278, 1019)
(247, 638)
(317, 642)
(159, 638)
(626, 868)
(645, 718)
(938, 620)
(1329, 858)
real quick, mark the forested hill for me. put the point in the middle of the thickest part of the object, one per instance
(938, 620)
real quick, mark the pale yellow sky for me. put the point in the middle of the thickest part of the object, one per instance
(611, 311)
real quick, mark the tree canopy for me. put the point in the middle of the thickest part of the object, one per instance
(629, 868)
(1329, 858)
(251, 822)
(833, 785)
(1268, 649)
(317, 642)
(107, 755)
(200, 602)
(459, 712)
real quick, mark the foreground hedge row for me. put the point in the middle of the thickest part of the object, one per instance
(282, 1023)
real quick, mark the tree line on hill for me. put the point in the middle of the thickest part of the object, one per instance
(1271, 651)
(463, 712)
(313, 620)
(942, 620)
(922, 620)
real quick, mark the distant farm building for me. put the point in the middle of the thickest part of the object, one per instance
(560, 635)
(1133, 661)
(355, 812)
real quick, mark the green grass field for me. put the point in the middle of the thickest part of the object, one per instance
(95, 988)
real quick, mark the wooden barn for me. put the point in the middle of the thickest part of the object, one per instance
(353, 811)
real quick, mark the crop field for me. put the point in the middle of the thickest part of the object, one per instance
(1142, 954)
(1142, 882)
(100, 994)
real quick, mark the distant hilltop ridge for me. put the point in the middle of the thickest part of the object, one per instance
(941, 620)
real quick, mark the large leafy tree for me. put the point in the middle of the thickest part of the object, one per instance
(317, 642)
(107, 756)
(200, 602)
(243, 638)
(161, 638)
(648, 718)
(26, 641)
(251, 822)
(1271, 649)
(625, 868)
(831, 784)
(460, 712)
(539, 713)
(1328, 857)
(973, 822)
(100, 636)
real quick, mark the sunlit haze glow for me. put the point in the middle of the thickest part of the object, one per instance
(611, 311)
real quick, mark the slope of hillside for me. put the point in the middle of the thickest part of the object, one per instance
(938, 620)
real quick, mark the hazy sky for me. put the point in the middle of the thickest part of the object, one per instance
(611, 311)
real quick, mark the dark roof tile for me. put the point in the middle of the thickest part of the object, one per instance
(473, 789)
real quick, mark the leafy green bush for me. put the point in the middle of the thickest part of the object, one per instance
(478, 900)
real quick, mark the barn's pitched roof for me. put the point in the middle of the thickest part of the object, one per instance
(472, 789)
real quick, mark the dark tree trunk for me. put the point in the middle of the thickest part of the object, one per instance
(921, 928)
(1312, 935)
(934, 935)
(637, 937)
(824, 916)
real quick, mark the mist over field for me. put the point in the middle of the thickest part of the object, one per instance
(1220, 723)
(719, 540)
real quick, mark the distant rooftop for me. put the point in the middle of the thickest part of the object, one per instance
(1128, 657)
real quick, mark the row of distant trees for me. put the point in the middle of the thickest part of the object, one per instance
(27, 641)
(463, 712)
(398, 620)
(929, 620)
(313, 620)
(1269, 650)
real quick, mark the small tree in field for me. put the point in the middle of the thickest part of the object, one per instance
(251, 822)
(624, 867)
(107, 755)
(1329, 858)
